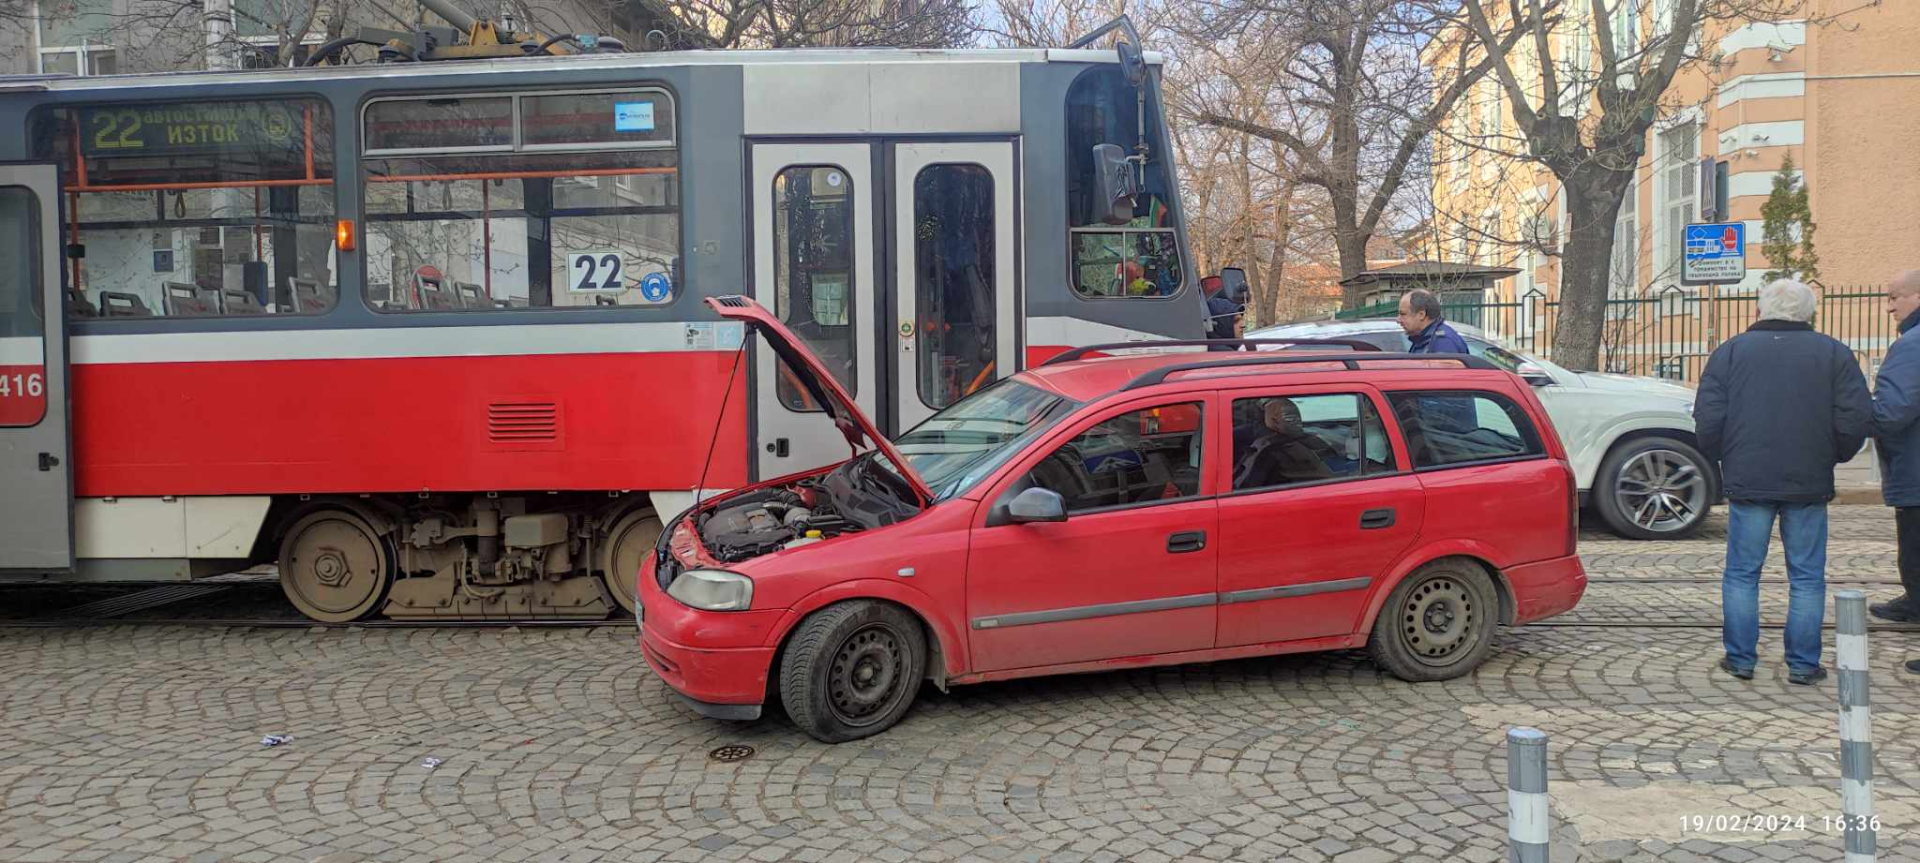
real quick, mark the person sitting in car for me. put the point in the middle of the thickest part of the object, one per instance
(1287, 453)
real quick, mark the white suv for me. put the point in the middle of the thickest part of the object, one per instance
(1630, 438)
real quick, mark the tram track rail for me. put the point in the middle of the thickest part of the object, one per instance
(116, 611)
(303, 623)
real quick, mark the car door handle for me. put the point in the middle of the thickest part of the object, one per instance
(1181, 543)
(1375, 519)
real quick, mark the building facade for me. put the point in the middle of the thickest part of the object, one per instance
(1834, 95)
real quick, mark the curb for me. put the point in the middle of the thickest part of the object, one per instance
(1858, 496)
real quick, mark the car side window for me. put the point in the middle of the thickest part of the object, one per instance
(1495, 355)
(1463, 427)
(1280, 441)
(1152, 454)
(1386, 340)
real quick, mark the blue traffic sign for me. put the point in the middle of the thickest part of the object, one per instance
(1713, 254)
(654, 288)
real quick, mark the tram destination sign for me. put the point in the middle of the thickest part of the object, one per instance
(182, 128)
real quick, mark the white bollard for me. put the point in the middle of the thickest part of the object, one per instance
(1856, 725)
(1527, 810)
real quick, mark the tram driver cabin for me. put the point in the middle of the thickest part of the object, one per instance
(430, 336)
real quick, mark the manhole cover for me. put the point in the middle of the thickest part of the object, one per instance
(731, 752)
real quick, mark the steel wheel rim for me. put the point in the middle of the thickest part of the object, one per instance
(866, 676)
(631, 544)
(335, 566)
(1439, 621)
(1661, 490)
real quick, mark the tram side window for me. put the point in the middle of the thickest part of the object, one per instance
(813, 271)
(1142, 257)
(577, 207)
(197, 209)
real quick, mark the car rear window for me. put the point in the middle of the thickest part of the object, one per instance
(1451, 428)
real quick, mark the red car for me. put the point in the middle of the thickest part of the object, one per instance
(1121, 511)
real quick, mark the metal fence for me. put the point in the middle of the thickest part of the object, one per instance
(1669, 334)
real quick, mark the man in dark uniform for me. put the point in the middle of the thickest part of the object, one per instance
(1426, 325)
(1222, 311)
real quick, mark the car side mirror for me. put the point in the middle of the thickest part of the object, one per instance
(1037, 505)
(1233, 282)
(1534, 375)
(1113, 185)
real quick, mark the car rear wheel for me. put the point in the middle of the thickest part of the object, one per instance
(852, 669)
(1653, 488)
(1438, 623)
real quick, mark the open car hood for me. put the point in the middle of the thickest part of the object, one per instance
(813, 375)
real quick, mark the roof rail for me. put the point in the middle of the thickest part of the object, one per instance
(1352, 363)
(1080, 353)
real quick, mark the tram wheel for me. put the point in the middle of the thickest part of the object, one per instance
(626, 547)
(334, 567)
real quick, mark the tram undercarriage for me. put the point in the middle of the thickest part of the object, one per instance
(469, 557)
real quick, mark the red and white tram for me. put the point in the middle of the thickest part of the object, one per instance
(430, 335)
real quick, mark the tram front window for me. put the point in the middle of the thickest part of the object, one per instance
(577, 208)
(1140, 259)
(197, 209)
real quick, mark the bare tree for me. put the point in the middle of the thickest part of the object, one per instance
(807, 23)
(1590, 131)
(1352, 70)
(1041, 23)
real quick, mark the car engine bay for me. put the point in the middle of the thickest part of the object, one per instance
(855, 496)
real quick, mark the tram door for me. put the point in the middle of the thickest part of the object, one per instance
(911, 310)
(814, 254)
(36, 486)
(954, 281)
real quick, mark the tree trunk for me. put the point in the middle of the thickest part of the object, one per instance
(1276, 265)
(1250, 234)
(1351, 243)
(1586, 268)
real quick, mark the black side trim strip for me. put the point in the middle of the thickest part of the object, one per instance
(1082, 612)
(719, 711)
(1291, 590)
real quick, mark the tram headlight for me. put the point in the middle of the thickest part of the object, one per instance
(712, 590)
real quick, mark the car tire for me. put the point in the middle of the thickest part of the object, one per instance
(852, 669)
(1643, 469)
(1438, 624)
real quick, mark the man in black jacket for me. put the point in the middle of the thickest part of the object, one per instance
(1779, 406)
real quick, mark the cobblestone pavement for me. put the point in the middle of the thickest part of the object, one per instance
(128, 743)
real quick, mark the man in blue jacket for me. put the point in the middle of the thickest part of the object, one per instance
(1779, 406)
(1222, 312)
(1896, 429)
(1426, 325)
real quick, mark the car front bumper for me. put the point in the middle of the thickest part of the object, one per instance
(716, 661)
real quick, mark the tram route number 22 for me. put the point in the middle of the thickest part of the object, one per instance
(595, 271)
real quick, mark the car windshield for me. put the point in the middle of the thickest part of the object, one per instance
(957, 447)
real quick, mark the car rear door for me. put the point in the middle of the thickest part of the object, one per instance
(1131, 570)
(1306, 537)
(1487, 469)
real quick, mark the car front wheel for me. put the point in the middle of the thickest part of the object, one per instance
(852, 669)
(1653, 488)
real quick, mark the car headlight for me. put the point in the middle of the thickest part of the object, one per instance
(712, 590)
